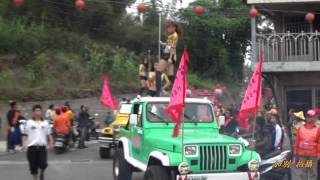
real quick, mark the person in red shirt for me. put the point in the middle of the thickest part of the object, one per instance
(307, 149)
(61, 123)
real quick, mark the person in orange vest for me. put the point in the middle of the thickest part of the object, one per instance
(61, 123)
(307, 149)
(65, 114)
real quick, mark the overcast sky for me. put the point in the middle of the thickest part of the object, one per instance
(133, 9)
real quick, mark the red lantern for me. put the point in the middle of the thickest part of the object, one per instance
(141, 8)
(199, 10)
(253, 12)
(309, 17)
(80, 4)
(18, 2)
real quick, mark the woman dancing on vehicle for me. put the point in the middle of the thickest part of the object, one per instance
(143, 74)
(168, 56)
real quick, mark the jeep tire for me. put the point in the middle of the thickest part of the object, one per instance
(105, 152)
(122, 170)
(156, 173)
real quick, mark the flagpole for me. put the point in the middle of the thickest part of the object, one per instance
(182, 136)
(256, 105)
(184, 96)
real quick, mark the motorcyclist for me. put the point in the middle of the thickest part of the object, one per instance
(61, 123)
(66, 116)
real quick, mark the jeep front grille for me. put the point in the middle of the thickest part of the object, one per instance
(213, 157)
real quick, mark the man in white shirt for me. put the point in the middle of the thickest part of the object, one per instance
(35, 141)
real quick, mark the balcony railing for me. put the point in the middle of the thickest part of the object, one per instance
(282, 47)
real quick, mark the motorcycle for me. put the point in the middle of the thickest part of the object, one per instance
(268, 169)
(93, 126)
(61, 143)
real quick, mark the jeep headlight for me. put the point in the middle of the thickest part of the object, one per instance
(183, 168)
(235, 150)
(253, 165)
(116, 128)
(191, 150)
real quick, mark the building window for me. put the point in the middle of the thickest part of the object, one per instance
(318, 98)
(295, 24)
(299, 100)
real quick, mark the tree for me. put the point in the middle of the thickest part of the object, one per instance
(217, 40)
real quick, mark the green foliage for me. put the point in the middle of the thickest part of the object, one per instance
(200, 83)
(49, 49)
(213, 56)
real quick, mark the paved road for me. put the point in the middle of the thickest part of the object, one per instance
(82, 164)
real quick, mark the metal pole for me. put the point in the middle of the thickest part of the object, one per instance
(253, 39)
(158, 73)
(149, 62)
(159, 36)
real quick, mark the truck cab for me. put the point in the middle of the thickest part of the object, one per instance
(199, 152)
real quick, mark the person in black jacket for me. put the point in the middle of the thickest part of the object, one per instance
(263, 137)
(83, 120)
(10, 118)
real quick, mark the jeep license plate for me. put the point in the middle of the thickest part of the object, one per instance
(58, 144)
(190, 177)
(197, 178)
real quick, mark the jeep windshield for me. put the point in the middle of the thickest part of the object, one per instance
(125, 108)
(193, 113)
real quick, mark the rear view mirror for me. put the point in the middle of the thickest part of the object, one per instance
(133, 119)
(221, 120)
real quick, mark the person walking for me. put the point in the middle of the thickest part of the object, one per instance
(143, 74)
(11, 114)
(307, 149)
(83, 125)
(36, 133)
(50, 113)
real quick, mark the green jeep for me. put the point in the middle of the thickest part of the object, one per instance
(146, 144)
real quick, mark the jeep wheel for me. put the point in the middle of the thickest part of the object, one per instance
(156, 173)
(122, 170)
(105, 152)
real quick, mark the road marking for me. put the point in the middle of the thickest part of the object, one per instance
(65, 162)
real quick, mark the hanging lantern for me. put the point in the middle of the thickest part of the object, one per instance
(18, 2)
(310, 17)
(80, 4)
(253, 12)
(199, 10)
(141, 8)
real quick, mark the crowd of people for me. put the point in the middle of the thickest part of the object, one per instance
(268, 131)
(62, 120)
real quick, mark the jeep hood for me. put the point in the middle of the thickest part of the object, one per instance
(163, 139)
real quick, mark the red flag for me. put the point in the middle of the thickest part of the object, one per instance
(106, 99)
(251, 101)
(178, 93)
